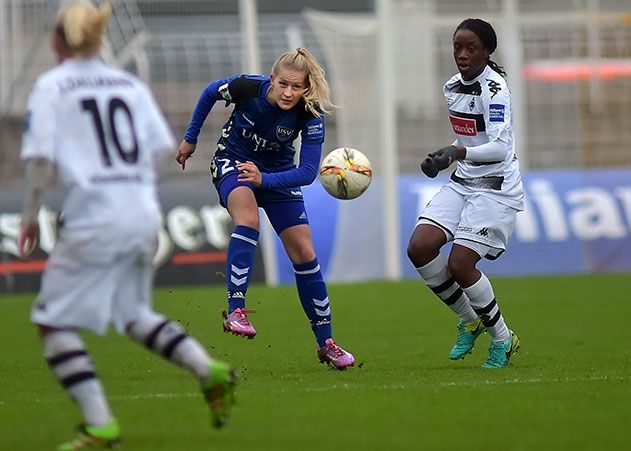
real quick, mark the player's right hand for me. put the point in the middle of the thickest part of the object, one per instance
(428, 168)
(27, 239)
(184, 152)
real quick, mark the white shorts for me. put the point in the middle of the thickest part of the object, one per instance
(475, 221)
(91, 295)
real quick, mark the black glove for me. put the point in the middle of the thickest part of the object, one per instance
(427, 166)
(443, 158)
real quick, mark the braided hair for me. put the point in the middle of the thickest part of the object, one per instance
(487, 35)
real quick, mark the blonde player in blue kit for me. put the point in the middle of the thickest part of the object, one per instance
(477, 208)
(254, 167)
(101, 131)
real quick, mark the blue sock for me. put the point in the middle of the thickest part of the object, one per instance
(314, 299)
(241, 250)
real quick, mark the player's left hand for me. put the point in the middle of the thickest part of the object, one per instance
(443, 158)
(248, 172)
(27, 239)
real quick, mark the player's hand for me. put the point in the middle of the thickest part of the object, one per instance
(443, 158)
(184, 152)
(427, 166)
(248, 172)
(27, 239)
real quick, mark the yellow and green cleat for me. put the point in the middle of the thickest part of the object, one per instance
(219, 392)
(92, 437)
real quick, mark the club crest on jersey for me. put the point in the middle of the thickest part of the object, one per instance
(283, 133)
(463, 126)
(496, 112)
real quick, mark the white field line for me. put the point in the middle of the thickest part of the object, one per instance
(472, 383)
(360, 386)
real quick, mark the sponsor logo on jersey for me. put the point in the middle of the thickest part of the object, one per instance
(496, 112)
(463, 126)
(248, 120)
(315, 130)
(295, 193)
(259, 143)
(283, 133)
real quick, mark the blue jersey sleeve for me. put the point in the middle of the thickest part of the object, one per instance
(302, 175)
(215, 90)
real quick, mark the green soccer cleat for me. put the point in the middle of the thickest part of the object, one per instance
(92, 437)
(500, 352)
(219, 392)
(467, 334)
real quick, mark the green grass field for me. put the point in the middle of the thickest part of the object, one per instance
(569, 388)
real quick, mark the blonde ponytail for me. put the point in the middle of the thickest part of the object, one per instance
(82, 26)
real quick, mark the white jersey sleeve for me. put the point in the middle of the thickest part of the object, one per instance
(41, 121)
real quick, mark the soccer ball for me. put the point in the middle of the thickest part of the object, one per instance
(345, 173)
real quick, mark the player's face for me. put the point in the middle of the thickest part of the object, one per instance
(287, 88)
(470, 54)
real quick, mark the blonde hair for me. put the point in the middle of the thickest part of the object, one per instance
(317, 97)
(81, 26)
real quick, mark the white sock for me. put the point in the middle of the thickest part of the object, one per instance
(483, 301)
(72, 366)
(439, 280)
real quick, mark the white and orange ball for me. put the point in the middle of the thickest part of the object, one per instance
(345, 173)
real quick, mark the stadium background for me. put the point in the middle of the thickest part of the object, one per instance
(569, 67)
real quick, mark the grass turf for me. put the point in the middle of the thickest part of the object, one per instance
(568, 388)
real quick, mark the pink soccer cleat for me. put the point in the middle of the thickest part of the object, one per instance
(237, 323)
(336, 356)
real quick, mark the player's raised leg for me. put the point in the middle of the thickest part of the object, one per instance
(243, 209)
(168, 339)
(241, 248)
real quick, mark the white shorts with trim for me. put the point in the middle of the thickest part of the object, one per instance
(475, 221)
(93, 295)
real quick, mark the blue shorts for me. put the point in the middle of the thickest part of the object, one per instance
(284, 207)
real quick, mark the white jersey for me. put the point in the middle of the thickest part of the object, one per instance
(101, 128)
(480, 112)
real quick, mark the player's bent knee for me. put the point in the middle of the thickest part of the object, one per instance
(420, 252)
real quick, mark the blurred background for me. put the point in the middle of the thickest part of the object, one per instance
(568, 64)
(569, 61)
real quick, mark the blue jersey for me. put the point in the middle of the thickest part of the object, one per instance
(262, 132)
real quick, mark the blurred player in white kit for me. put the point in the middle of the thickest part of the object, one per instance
(100, 130)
